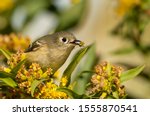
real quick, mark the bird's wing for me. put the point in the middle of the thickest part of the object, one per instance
(37, 44)
(34, 46)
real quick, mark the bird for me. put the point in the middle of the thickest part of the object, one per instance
(52, 50)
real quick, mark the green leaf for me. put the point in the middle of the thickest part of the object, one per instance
(72, 94)
(85, 72)
(80, 76)
(2, 84)
(17, 67)
(7, 78)
(130, 74)
(5, 53)
(34, 84)
(4, 74)
(76, 59)
(10, 82)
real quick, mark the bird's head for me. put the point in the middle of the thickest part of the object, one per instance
(65, 40)
(60, 40)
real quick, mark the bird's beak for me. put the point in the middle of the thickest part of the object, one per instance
(77, 42)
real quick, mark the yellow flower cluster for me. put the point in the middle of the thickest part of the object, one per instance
(105, 82)
(6, 5)
(124, 5)
(16, 58)
(49, 91)
(27, 75)
(14, 42)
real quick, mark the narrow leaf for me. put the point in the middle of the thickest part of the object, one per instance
(2, 84)
(17, 67)
(4, 74)
(85, 72)
(34, 84)
(76, 59)
(71, 93)
(80, 77)
(10, 82)
(130, 74)
(5, 53)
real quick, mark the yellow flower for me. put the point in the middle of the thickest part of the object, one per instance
(7, 70)
(2, 68)
(125, 5)
(105, 82)
(15, 59)
(6, 5)
(64, 81)
(14, 42)
(25, 76)
(49, 91)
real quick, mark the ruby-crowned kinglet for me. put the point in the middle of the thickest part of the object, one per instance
(52, 50)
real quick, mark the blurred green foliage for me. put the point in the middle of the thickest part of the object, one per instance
(19, 13)
(132, 27)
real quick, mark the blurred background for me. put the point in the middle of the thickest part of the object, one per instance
(119, 29)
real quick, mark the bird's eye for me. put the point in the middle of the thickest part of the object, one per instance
(64, 40)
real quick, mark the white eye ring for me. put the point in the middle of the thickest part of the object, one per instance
(64, 40)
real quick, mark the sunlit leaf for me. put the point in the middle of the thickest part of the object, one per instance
(7, 79)
(76, 59)
(34, 84)
(130, 74)
(10, 82)
(115, 94)
(72, 94)
(17, 67)
(5, 53)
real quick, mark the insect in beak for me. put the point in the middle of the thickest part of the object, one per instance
(77, 42)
